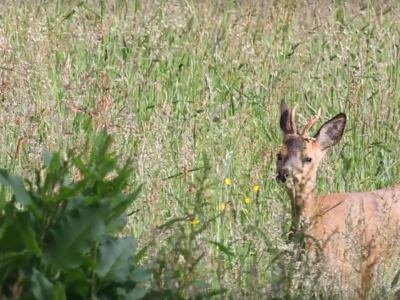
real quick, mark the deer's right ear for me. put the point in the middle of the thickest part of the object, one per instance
(285, 119)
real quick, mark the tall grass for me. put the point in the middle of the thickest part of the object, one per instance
(191, 90)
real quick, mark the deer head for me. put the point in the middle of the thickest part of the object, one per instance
(300, 155)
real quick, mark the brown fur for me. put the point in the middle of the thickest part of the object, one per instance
(331, 217)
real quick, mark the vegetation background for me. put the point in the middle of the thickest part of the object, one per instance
(191, 90)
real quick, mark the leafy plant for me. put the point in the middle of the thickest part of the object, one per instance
(59, 237)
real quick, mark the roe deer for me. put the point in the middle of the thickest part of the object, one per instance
(331, 217)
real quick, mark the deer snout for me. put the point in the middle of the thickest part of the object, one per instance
(283, 174)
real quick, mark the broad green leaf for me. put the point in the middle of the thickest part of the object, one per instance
(140, 274)
(17, 186)
(54, 173)
(47, 157)
(12, 261)
(7, 219)
(141, 253)
(76, 235)
(42, 288)
(66, 192)
(135, 294)
(74, 275)
(83, 169)
(119, 182)
(199, 284)
(101, 140)
(77, 282)
(67, 181)
(115, 259)
(74, 203)
(92, 199)
(107, 167)
(100, 148)
(26, 233)
(59, 292)
(11, 241)
(56, 163)
(3, 198)
(117, 224)
(124, 203)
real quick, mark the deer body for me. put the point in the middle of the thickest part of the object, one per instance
(364, 211)
(371, 216)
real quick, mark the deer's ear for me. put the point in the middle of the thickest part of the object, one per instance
(284, 122)
(331, 132)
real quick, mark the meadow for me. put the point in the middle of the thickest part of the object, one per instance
(191, 90)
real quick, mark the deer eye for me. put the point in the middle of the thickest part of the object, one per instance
(279, 157)
(307, 160)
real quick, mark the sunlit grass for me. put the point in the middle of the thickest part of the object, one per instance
(177, 80)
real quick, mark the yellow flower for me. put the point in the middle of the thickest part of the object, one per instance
(256, 188)
(228, 181)
(247, 200)
(195, 221)
(222, 207)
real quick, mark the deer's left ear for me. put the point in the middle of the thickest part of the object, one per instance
(331, 132)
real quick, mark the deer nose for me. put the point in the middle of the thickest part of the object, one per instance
(283, 174)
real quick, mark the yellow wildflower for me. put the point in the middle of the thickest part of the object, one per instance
(247, 200)
(195, 221)
(222, 207)
(228, 181)
(256, 188)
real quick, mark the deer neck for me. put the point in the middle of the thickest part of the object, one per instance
(303, 201)
(305, 198)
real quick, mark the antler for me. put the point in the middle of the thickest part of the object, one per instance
(293, 120)
(310, 124)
